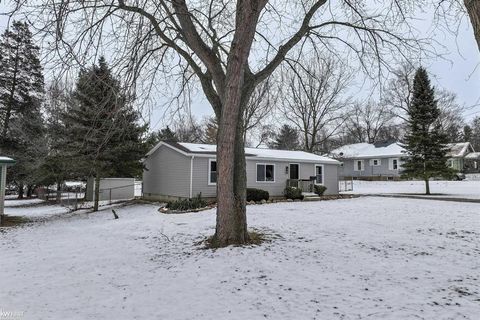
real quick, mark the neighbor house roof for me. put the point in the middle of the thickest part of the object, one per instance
(392, 149)
(368, 150)
(459, 150)
(198, 149)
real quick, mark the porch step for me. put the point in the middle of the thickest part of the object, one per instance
(316, 198)
(310, 196)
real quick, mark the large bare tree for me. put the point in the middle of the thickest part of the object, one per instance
(314, 99)
(229, 47)
(473, 10)
(370, 122)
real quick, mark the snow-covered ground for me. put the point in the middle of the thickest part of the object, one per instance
(448, 189)
(375, 258)
(22, 202)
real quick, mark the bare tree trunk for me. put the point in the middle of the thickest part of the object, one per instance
(231, 225)
(473, 9)
(96, 192)
(20, 191)
(59, 192)
(427, 186)
(30, 191)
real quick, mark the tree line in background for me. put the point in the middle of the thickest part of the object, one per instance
(88, 130)
(316, 114)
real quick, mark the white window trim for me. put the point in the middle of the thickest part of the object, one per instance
(390, 164)
(372, 162)
(355, 167)
(210, 171)
(265, 164)
(289, 171)
(323, 174)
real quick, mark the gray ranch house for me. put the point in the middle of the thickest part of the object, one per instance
(384, 160)
(368, 160)
(183, 170)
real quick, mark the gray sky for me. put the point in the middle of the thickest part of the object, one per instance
(458, 71)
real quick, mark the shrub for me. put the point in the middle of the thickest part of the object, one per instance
(293, 193)
(187, 204)
(319, 190)
(257, 194)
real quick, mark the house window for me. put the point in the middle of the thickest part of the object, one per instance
(375, 162)
(318, 174)
(395, 164)
(358, 165)
(265, 172)
(450, 163)
(212, 172)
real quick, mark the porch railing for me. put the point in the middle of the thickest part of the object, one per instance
(305, 185)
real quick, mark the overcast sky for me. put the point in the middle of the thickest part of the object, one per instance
(458, 71)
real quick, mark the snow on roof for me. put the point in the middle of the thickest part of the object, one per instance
(458, 149)
(368, 150)
(260, 153)
(6, 160)
(473, 155)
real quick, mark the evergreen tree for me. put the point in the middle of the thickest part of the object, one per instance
(425, 141)
(165, 134)
(467, 133)
(21, 94)
(211, 130)
(55, 168)
(475, 138)
(286, 139)
(105, 139)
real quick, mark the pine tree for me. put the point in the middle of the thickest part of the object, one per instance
(425, 141)
(165, 134)
(475, 138)
(21, 94)
(467, 133)
(286, 139)
(211, 130)
(105, 139)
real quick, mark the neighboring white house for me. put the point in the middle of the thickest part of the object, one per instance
(384, 160)
(183, 170)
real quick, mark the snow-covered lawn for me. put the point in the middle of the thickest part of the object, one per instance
(22, 202)
(375, 258)
(449, 189)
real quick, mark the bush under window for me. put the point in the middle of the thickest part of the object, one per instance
(257, 194)
(320, 190)
(187, 204)
(293, 193)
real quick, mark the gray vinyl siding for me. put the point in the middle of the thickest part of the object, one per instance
(168, 174)
(276, 188)
(347, 170)
(200, 178)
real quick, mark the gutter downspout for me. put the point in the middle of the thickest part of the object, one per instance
(191, 176)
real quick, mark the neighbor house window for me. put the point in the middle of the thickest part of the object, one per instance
(358, 165)
(265, 172)
(393, 164)
(212, 172)
(318, 174)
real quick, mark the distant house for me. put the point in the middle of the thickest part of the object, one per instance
(370, 160)
(183, 170)
(384, 160)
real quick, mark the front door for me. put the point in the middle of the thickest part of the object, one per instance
(294, 171)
